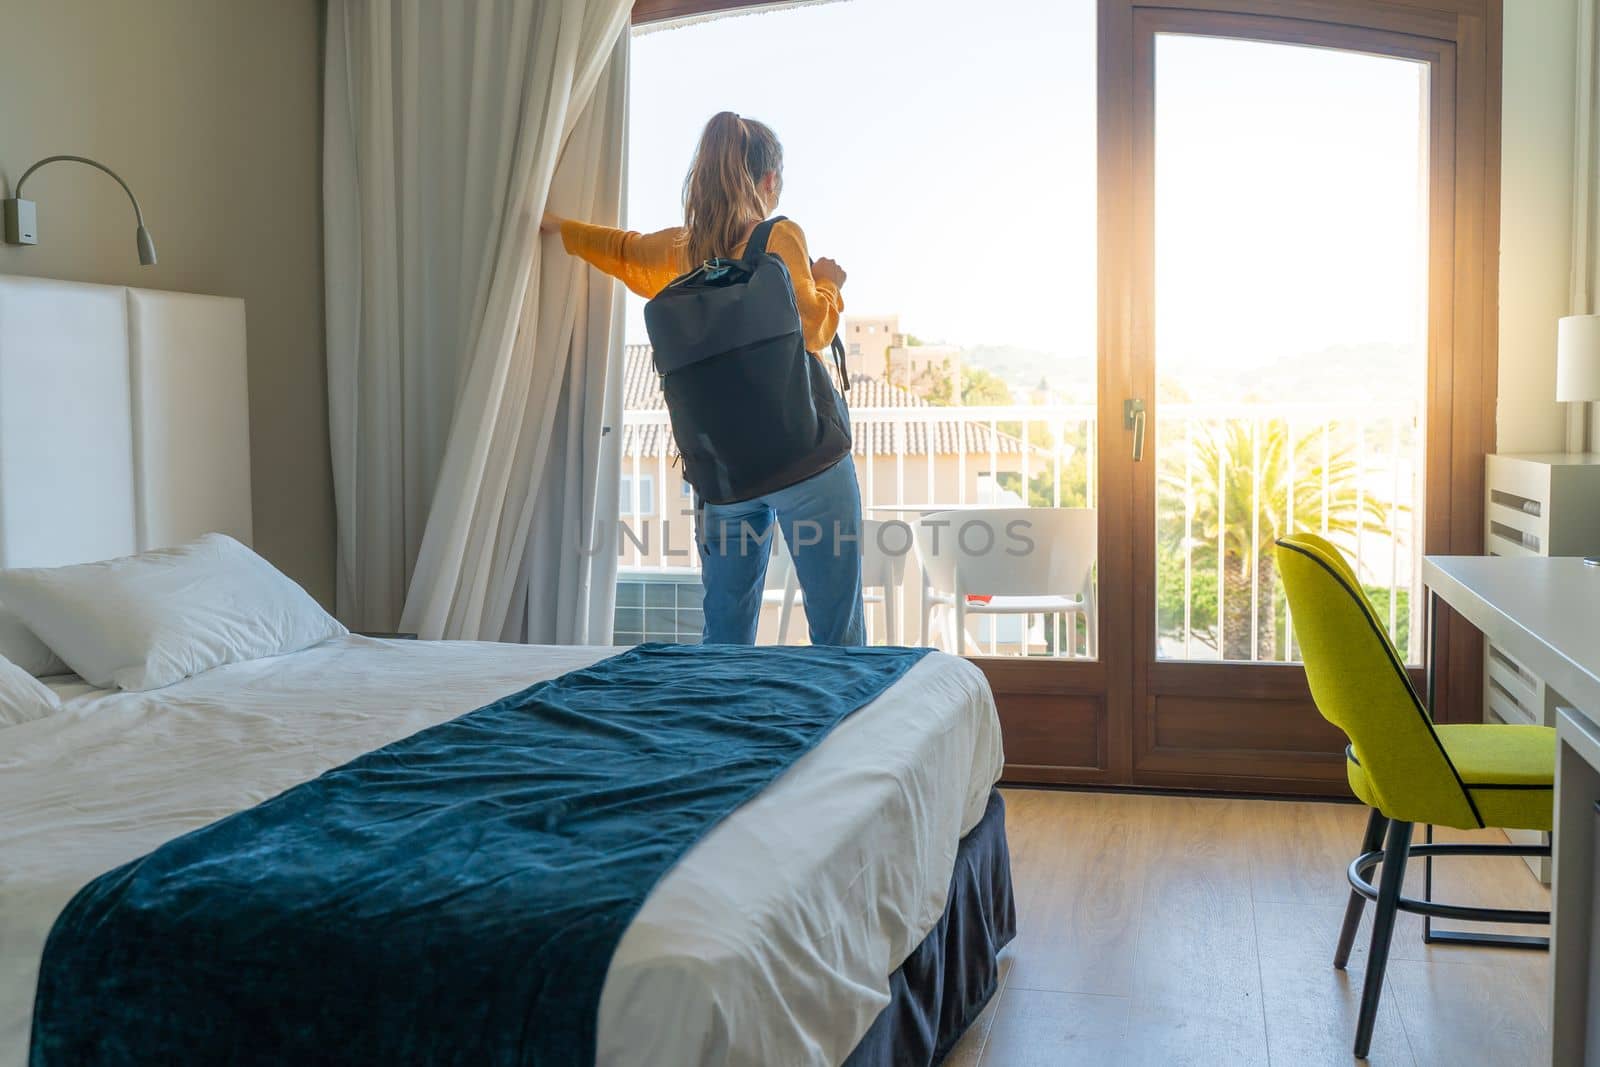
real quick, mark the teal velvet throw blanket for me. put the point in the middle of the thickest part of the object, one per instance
(454, 897)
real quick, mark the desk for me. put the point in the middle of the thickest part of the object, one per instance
(1546, 612)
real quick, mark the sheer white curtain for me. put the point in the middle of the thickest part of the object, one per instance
(467, 356)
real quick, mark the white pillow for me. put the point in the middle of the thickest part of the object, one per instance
(145, 621)
(22, 647)
(23, 697)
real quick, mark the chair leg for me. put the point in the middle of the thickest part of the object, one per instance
(891, 612)
(1091, 627)
(791, 589)
(1396, 848)
(1431, 935)
(1370, 842)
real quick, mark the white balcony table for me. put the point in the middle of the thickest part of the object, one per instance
(1546, 613)
(930, 509)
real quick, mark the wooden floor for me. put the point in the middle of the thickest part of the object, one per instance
(1175, 930)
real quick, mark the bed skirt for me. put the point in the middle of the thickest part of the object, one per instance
(946, 981)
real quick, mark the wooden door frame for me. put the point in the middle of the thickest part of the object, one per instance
(1461, 41)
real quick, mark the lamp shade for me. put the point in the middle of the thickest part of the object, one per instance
(1578, 358)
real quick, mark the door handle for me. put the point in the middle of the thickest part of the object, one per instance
(1133, 416)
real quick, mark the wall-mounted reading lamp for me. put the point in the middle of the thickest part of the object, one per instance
(22, 216)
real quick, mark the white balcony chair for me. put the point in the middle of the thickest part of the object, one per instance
(1055, 578)
(882, 575)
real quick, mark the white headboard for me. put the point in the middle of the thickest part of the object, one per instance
(124, 421)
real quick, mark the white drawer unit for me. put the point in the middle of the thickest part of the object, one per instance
(1539, 504)
(1544, 504)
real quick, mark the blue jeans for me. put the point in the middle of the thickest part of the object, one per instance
(821, 523)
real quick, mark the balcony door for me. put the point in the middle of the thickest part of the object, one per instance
(1294, 284)
(1199, 276)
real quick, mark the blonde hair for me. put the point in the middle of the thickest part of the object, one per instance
(722, 194)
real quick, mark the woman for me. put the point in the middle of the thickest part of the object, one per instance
(733, 184)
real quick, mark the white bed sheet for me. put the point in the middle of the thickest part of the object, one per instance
(769, 944)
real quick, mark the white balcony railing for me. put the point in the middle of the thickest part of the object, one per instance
(1230, 477)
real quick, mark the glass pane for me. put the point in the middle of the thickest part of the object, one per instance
(953, 175)
(1291, 332)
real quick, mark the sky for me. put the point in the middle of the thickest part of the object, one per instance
(1290, 201)
(944, 154)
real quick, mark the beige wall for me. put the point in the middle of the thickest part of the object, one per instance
(211, 109)
(1535, 217)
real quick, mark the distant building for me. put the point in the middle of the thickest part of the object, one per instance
(876, 347)
(919, 367)
(867, 340)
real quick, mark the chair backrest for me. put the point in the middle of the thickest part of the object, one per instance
(1331, 553)
(883, 563)
(1009, 551)
(780, 564)
(1360, 684)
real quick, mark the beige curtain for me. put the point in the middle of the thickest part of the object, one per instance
(468, 356)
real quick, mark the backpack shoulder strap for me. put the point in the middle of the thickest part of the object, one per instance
(756, 247)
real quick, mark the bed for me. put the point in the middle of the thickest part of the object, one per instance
(788, 935)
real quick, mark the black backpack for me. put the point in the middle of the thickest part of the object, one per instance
(752, 411)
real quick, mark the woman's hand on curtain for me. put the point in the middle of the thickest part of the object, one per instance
(550, 223)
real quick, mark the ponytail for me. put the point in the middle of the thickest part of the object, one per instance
(722, 194)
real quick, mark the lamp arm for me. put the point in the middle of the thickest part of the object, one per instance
(137, 213)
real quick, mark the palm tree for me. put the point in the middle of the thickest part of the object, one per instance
(1252, 461)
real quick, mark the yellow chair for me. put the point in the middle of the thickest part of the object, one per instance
(1404, 767)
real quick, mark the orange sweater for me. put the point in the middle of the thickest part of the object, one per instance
(646, 262)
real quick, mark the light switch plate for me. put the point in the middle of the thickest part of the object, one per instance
(21, 222)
